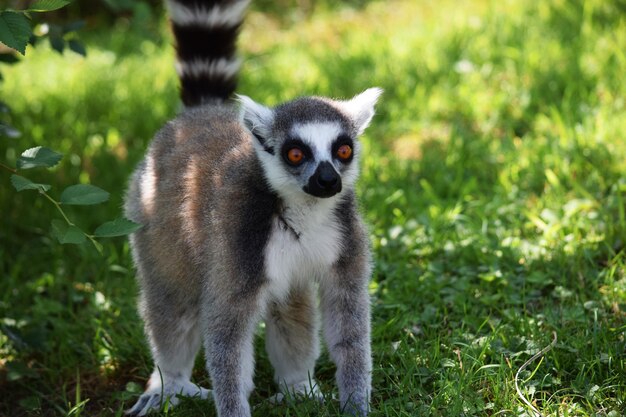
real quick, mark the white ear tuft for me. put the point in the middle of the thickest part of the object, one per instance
(256, 117)
(361, 107)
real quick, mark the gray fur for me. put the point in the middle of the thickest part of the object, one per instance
(292, 337)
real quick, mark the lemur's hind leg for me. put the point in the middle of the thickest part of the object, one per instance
(174, 340)
(292, 342)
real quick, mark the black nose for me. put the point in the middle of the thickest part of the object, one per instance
(327, 177)
(325, 182)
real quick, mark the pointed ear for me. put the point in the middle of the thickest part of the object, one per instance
(257, 118)
(361, 107)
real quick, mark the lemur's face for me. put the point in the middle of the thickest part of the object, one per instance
(317, 158)
(310, 146)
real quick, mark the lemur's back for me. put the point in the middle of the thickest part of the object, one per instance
(184, 159)
(195, 181)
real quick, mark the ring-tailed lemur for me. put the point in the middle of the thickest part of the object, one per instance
(248, 212)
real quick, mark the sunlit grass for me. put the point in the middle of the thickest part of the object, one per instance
(493, 180)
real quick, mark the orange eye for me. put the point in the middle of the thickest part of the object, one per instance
(295, 155)
(344, 152)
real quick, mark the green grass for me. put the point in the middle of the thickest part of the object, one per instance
(494, 182)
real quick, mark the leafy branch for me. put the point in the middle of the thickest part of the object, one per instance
(65, 230)
(16, 32)
(16, 29)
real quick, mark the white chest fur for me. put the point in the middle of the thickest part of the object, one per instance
(303, 245)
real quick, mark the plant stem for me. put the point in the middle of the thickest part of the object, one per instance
(8, 168)
(58, 206)
(97, 245)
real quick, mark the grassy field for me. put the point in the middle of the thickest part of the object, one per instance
(494, 183)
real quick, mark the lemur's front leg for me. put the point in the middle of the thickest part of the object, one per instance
(346, 318)
(230, 353)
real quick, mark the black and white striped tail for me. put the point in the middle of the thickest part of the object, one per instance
(206, 35)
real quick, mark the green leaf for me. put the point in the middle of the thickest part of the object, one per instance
(134, 388)
(38, 157)
(66, 233)
(21, 184)
(83, 195)
(9, 58)
(57, 43)
(15, 30)
(77, 47)
(31, 403)
(117, 227)
(47, 5)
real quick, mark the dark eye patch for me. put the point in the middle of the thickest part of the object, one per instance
(339, 142)
(296, 143)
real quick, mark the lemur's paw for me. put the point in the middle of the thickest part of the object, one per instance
(155, 396)
(298, 391)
